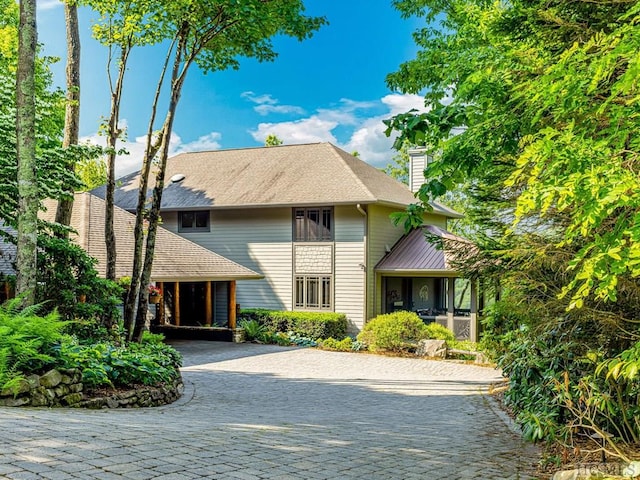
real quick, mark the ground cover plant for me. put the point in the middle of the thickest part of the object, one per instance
(33, 343)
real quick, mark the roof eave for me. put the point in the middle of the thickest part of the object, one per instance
(417, 272)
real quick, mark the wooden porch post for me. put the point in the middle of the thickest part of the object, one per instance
(473, 317)
(451, 299)
(208, 304)
(176, 303)
(232, 304)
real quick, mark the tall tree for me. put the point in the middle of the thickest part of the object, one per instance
(72, 109)
(211, 35)
(26, 262)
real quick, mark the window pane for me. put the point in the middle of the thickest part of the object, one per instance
(312, 292)
(299, 294)
(313, 224)
(202, 219)
(187, 220)
(299, 226)
(326, 224)
(326, 292)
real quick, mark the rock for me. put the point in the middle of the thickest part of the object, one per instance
(75, 387)
(39, 399)
(51, 379)
(34, 380)
(432, 348)
(578, 474)
(72, 398)
(22, 386)
(14, 402)
(632, 470)
(61, 390)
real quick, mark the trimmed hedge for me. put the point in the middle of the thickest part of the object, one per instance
(304, 324)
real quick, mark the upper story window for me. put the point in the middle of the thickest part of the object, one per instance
(313, 224)
(194, 221)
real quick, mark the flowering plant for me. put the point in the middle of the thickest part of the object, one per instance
(153, 290)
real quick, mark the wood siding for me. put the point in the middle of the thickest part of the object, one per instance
(350, 265)
(259, 239)
(383, 234)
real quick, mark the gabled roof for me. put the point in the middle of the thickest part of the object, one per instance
(286, 175)
(414, 253)
(175, 258)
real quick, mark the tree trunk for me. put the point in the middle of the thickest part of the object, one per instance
(112, 138)
(26, 154)
(72, 111)
(138, 288)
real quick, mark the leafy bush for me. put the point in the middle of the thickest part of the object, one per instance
(27, 340)
(253, 330)
(436, 331)
(301, 341)
(395, 332)
(347, 344)
(89, 331)
(105, 364)
(305, 324)
(67, 273)
(499, 321)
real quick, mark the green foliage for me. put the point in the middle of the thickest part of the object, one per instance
(305, 324)
(399, 166)
(395, 332)
(67, 273)
(272, 140)
(27, 341)
(105, 364)
(438, 332)
(253, 330)
(347, 344)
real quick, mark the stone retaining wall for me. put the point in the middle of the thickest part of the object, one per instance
(64, 388)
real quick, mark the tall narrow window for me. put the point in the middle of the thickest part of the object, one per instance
(313, 224)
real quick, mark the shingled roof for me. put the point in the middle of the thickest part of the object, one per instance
(286, 175)
(175, 258)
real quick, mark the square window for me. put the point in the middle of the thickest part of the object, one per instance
(194, 221)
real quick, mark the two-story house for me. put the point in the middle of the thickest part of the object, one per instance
(314, 221)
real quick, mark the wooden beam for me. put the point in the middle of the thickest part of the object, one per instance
(232, 304)
(208, 304)
(176, 303)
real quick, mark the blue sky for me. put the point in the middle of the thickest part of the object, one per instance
(329, 88)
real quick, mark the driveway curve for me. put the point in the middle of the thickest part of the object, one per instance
(260, 412)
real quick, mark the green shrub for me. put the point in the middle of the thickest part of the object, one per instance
(436, 331)
(347, 344)
(27, 341)
(304, 324)
(105, 364)
(393, 332)
(253, 330)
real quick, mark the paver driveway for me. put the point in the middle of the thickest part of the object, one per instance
(258, 411)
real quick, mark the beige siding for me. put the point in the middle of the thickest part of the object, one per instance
(259, 239)
(383, 234)
(350, 265)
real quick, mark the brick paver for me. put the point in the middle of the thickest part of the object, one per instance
(266, 412)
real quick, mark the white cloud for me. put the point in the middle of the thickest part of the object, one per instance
(131, 162)
(48, 4)
(308, 130)
(366, 135)
(266, 104)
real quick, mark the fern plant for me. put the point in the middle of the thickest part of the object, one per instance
(27, 341)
